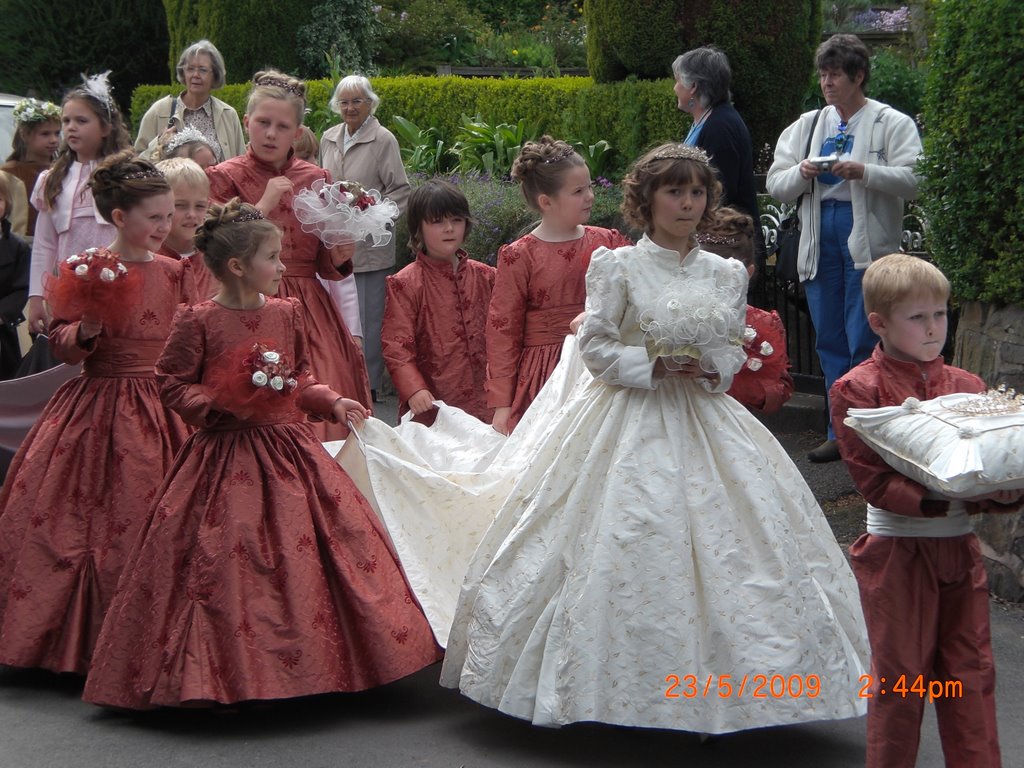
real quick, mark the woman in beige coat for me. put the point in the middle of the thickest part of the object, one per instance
(361, 149)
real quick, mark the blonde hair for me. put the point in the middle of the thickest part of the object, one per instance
(898, 277)
(183, 171)
(541, 167)
(271, 84)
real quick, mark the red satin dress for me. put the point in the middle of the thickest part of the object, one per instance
(262, 572)
(539, 289)
(334, 355)
(80, 487)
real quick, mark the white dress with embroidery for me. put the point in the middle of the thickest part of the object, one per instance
(657, 530)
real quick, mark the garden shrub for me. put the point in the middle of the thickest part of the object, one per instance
(182, 30)
(339, 34)
(973, 188)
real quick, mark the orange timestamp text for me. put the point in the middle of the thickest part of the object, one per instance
(903, 686)
(751, 686)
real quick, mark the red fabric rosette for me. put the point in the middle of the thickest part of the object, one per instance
(256, 381)
(94, 284)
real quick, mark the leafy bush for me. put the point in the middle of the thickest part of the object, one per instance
(424, 32)
(423, 149)
(973, 188)
(341, 35)
(490, 150)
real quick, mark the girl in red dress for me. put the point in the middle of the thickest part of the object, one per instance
(262, 573)
(540, 286)
(269, 176)
(81, 485)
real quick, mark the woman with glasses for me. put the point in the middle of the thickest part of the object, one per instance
(361, 149)
(200, 69)
(854, 165)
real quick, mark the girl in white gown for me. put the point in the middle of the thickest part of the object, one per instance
(658, 560)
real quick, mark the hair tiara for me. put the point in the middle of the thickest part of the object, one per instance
(253, 214)
(565, 154)
(145, 173)
(682, 152)
(98, 86)
(30, 110)
(186, 135)
(280, 82)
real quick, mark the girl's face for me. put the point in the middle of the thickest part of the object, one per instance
(263, 272)
(145, 226)
(42, 141)
(443, 238)
(204, 156)
(190, 205)
(676, 209)
(84, 132)
(571, 204)
(272, 127)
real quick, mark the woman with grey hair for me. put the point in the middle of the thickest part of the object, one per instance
(200, 69)
(703, 76)
(361, 149)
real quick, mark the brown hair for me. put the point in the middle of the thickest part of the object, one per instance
(232, 230)
(116, 140)
(541, 166)
(730, 235)
(19, 142)
(271, 84)
(898, 277)
(123, 181)
(661, 166)
(845, 52)
(307, 144)
(432, 201)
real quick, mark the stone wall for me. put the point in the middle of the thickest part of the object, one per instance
(990, 342)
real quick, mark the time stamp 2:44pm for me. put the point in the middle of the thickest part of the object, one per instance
(807, 686)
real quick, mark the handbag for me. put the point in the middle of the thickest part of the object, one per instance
(787, 240)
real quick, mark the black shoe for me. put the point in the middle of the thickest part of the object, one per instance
(824, 453)
(373, 396)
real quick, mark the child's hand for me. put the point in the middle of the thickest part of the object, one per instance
(277, 188)
(351, 411)
(421, 402)
(342, 253)
(88, 330)
(500, 420)
(576, 322)
(689, 370)
(38, 317)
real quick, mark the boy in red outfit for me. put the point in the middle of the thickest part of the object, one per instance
(923, 587)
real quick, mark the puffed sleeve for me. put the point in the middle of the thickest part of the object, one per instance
(399, 340)
(179, 371)
(601, 346)
(506, 323)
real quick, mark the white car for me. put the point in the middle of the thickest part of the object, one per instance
(7, 102)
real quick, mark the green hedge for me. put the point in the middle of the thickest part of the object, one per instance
(973, 189)
(630, 115)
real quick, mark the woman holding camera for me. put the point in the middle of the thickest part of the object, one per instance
(859, 173)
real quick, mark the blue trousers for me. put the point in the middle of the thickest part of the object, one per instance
(835, 299)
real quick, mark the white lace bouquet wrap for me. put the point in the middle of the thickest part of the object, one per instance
(344, 212)
(696, 320)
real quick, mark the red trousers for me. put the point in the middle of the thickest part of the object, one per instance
(926, 608)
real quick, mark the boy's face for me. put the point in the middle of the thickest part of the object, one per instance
(190, 204)
(914, 330)
(442, 238)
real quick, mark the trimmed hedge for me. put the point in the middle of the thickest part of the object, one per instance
(973, 188)
(631, 116)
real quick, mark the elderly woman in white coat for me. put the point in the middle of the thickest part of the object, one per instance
(361, 149)
(200, 69)
(852, 207)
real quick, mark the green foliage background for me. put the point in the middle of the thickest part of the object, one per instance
(770, 45)
(973, 187)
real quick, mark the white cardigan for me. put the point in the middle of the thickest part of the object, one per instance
(888, 145)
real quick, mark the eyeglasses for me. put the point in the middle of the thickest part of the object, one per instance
(203, 71)
(841, 138)
(357, 103)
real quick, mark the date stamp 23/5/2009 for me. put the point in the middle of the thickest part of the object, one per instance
(805, 686)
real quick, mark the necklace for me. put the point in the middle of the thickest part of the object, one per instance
(695, 128)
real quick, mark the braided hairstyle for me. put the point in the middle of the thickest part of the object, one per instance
(541, 168)
(124, 180)
(234, 230)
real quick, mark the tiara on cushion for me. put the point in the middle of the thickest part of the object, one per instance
(992, 403)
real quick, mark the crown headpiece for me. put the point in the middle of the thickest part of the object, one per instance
(682, 152)
(145, 173)
(993, 403)
(280, 82)
(253, 214)
(186, 135)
